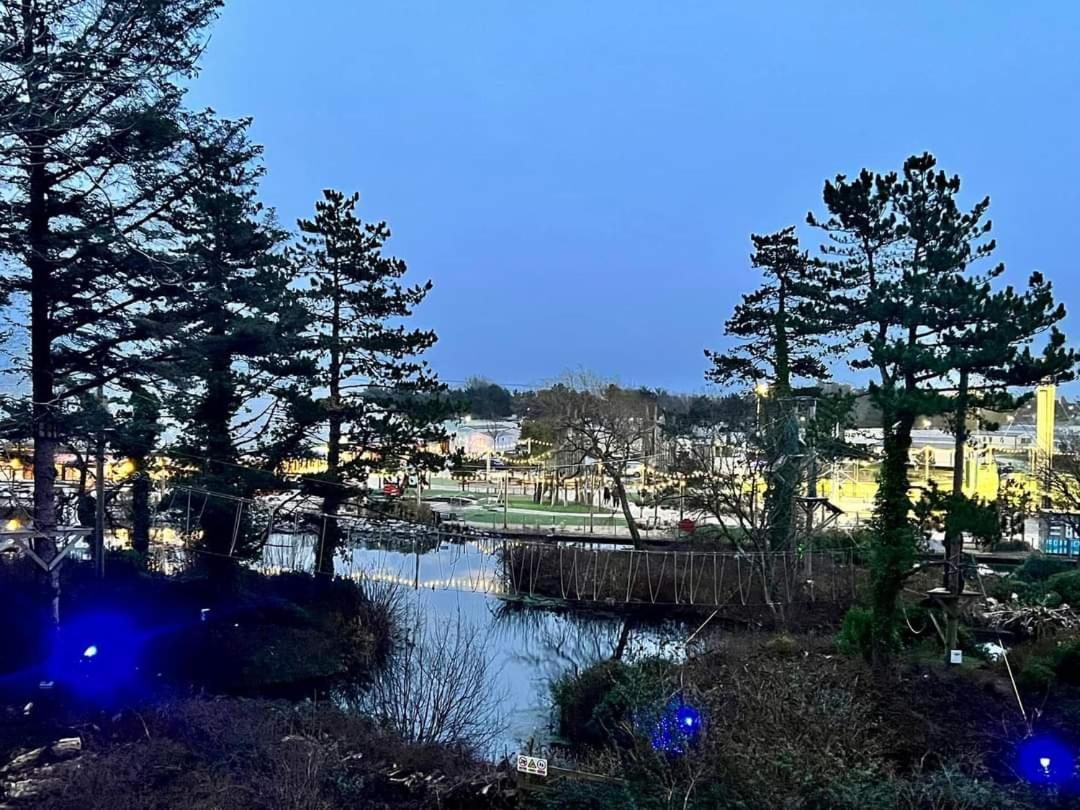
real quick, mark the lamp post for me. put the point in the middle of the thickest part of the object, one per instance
(761, 390)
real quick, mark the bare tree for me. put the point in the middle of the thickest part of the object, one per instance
(440, 687)
(723, 479)
(600, 423)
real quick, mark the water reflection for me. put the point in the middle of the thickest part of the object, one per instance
(529, 647)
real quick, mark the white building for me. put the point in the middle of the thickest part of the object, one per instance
(481, 437)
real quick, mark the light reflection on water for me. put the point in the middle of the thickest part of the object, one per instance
(530, 647)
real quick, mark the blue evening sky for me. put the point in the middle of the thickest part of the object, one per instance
(580, 179)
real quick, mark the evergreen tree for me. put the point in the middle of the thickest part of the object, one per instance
(899, 256)
(138, 430)
(776, 335)
(779, 340)
(989, 357)
(89, 96)
(382, 403)
(239, 335)
(487, 400)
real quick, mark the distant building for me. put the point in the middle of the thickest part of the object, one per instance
(481, 437)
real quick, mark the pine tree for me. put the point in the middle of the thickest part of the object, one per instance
(989, 357)
(239, 328)
(138, 429)
(89, 96)
(776, 338)
(900, 248)
(382, 404)
(779, 341)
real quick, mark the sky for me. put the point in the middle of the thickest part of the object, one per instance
(580, 179)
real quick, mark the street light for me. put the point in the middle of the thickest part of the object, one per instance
(762, 391)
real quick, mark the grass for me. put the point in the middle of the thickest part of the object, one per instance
(526, 519)
(520, 502)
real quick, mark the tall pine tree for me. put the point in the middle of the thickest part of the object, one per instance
(899, 256)
(89, 97)
(240, 329)
(778, 341)
(992, 367)
(380, 402)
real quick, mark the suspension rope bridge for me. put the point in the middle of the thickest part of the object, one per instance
(424, 557)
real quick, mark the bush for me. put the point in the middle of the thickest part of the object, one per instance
(598, 706)
(783, 644)
(1036, 675)
(576, 698)
(572, 795)
(1067, 585)
(1038, 567)
(1067, 663)
(947, 788)
(856, 632)
(258, 754)
(858, 542)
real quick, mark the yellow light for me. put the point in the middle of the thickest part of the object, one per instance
(16, 464)
(14, 525)
(127, 468)
(762, 389)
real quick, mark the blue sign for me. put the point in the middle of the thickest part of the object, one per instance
(1061, 546)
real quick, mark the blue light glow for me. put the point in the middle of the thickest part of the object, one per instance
(96, 655)
(688, 718)
(1045, 761)
(674, 729)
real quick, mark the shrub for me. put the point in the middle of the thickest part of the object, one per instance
(858, 542)
(1067, 663)
(1036, 675)
(1067, 585)
(782, 644)
(598, 706)
(945, 788)
(576, 697)
(572, 795)
(1038, 567)
(856, 632)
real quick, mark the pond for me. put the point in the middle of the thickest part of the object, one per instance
(458, 580)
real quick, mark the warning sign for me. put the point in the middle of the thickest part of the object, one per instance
(533, 765)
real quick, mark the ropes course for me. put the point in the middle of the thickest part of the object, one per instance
(420, 556)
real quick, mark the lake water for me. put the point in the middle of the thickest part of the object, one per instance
(460, 582)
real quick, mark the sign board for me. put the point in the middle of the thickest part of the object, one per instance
(533, 765)
(956, 657)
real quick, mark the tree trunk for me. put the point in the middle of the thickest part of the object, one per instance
(140, 509)
(954, 537)
(893, 553)
(624, 637)
(330, 540)
(41, 351)
(620, 489)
